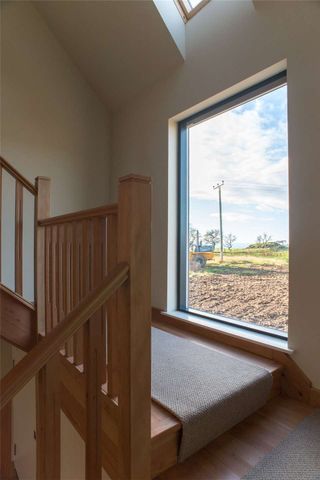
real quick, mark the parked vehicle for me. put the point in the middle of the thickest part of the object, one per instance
(201, 254)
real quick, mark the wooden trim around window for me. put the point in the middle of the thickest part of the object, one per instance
(184, 12)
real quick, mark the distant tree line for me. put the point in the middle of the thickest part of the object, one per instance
(265, 241)
(211, 237)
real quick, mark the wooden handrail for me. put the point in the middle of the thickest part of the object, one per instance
(12, 171)
(103, 211)
(23, 372)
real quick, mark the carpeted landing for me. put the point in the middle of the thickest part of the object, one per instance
(208, 391)
(297, 457)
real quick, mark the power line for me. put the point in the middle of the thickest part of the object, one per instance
(271, 189)
(258, 184)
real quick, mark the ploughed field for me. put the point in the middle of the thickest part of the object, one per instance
(246, 287)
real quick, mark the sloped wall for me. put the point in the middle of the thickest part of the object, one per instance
(227, 43)
(52, 122)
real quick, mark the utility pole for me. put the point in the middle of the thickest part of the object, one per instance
(215, 187)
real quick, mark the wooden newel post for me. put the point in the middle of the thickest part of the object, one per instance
(134, 321)
(47, 380)
(42, 211)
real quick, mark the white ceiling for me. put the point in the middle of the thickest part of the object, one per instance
(120, 46)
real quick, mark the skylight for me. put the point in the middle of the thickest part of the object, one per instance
(188, 8)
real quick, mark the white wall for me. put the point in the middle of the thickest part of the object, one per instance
(8, 237)
(227, 43)
(52, 124)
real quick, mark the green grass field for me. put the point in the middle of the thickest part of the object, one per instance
(259, 252)
(247, 262)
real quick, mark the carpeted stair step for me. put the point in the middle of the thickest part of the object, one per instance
(209, 391)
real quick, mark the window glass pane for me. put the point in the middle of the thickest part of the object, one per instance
(8, 230)
(190, 5)
(238, 194)
(28, 246)
(194, 3)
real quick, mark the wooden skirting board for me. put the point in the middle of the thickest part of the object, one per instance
(293, 382)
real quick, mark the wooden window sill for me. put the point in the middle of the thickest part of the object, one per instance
(234, 331)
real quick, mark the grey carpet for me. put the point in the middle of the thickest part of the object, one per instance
(209, 392)
(296, 458)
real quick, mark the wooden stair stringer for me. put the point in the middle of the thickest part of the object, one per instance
(18, 320)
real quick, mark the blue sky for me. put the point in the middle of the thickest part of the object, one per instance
(247, 148)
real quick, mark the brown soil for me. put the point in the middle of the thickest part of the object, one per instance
(260, 299)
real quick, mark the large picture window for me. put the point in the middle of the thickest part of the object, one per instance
(234, 241)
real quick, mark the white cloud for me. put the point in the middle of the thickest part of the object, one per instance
(233, 216)
(244, 151)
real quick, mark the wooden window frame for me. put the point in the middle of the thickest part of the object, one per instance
(184, 12)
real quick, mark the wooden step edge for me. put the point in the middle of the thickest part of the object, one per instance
(164, 438)
(162, 421)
